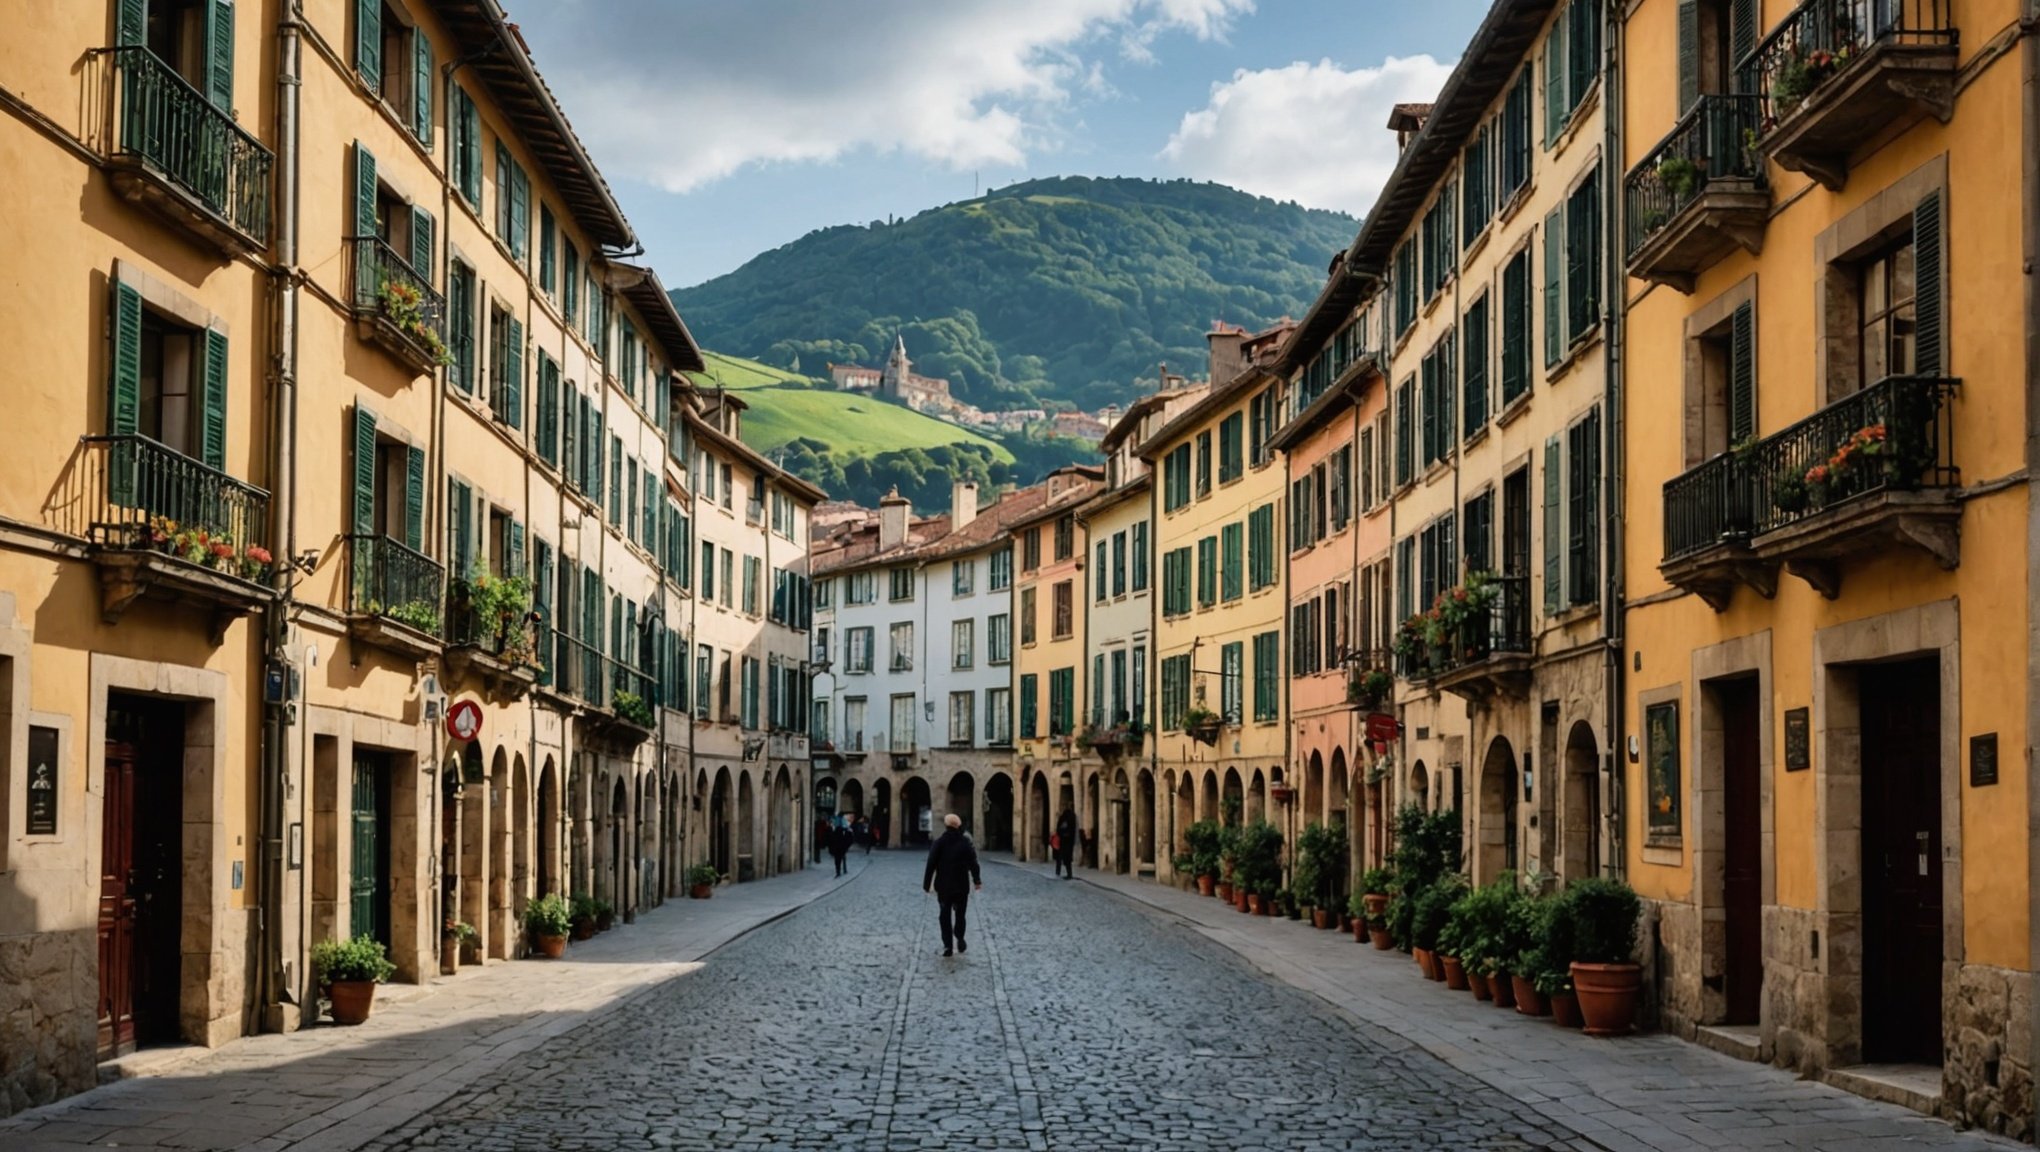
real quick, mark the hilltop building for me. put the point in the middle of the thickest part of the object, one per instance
(897, 381)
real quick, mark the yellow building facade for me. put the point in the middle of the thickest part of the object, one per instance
(1826, 456)
(1057, 771)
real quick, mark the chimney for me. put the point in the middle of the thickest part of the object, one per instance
(1228, 356)
(892, 520)
(963, 504)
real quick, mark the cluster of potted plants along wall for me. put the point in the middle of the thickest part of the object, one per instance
(1568, 953)
(1241, 864)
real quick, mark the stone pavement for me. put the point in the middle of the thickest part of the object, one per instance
(1644, 1092)
(338, 1088)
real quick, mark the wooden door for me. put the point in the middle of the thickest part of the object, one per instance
(369, 914)
(1742, 849)
(117, 905)
(1901, 742)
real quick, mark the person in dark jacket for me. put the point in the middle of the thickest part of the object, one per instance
(839, 846)
(952, 874)
(1066, 843)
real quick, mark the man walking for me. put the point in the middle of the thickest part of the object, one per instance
(952, 874)
(1066, 844)
(839, 847)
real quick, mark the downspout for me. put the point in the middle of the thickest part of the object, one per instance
(2029, 198)
(1615, 307)
(272, 990)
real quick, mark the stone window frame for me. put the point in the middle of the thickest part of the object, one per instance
(1859, 234)
(1667, 849)
(16, 647)
(1706, 407)
(1705, 784)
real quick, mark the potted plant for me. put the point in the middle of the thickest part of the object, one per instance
(1679, 176)
(631, 709)
(1432, 909)
(1203, 838)
(1543, 970)
(1603, 915)
(605, 915)
(1375, 885)
(1201, 724)
(701, 881)
(549, 920)
(1228, 847)
(1370, 689)
(1452, 943)
(1320, 862)
(449, 945)
(583, 916)
(350, 970)
(469, 940)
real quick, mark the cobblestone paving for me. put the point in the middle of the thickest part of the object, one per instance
(1072, 1022)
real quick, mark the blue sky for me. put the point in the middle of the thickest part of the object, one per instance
(730, 127)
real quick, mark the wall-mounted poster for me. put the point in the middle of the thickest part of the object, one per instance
(1798, 740)
(42, 781)
(1661, 728)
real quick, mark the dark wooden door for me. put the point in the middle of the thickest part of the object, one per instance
(370, 904)
(1901, 741)
(1742, 849)
(1516, 523)
(117, 906)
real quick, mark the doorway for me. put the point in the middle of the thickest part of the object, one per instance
(141, 879)
(919, 811)
(998, 835)
(369, 874)
(1742, 866)
(1900, 721)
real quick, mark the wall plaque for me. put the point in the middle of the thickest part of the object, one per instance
(1798, 747)
(43, 792)
(1664, 789)
(1983, 760)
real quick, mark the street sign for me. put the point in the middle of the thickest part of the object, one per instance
(464, 720)
(1382, 728)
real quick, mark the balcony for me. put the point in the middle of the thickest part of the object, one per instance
(177, 155)
(492, 633)
(165, 526)
(1872, 471)
(394, 597)
(396, 307)
(1838, 76)
(1699, 195)
(1489, 653)
(614, 700)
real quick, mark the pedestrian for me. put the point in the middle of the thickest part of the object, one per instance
(864, 835)
(952, 874)
(839, 846)
(1066, 843)
(821, 837)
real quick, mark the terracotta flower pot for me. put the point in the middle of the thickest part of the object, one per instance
(1253, 903)
(605, 921)
(1455, 973)
(700, 891)
(552, 947)
(584, 928)
(352, 1000)
(1479, 984)
(1205, 885)
(1503, 990)
(449, 954)
(1320, 919)
(1381, 939)
(1608, 994)
(1423, 959)
(1565, 1009)
(1239, 901)
(1359, 928)
(1529, 1001)
(1225, 891)
(1375, 903)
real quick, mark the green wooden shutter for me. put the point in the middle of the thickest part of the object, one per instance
(124, 386)
(219, 54)
(1929, 332)
(414, 498)
(515, 564)
(134, 23)
(461, 524)
(1554, 282)
(1689, 54)
(1742, 37)
(364, 471)
(421, 84)
(368, 41)
(471, 149)
(1742, 374)
(513, 373)
(1552, 61)
(213, 404)
(422, 235)
(1554, 582)
(364, 191)
(520, 211)
(502, 190)
(548, 418)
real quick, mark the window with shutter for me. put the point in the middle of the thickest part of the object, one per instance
(1742, 374)
(1583, 257)
(368, 38)
(422, 244)
(219, 54)
(1929, 334)
(213, 402)
(1583, 457)
(1516, 309)
(363, 520)
(1232, 540)
(1554, 286)
(1473, 335)
(1689, 54)
(421, 88)
(124, 385)
(414, 498)
(1554, 584)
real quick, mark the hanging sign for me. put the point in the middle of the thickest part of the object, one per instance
(464, 720)
(1382, 728)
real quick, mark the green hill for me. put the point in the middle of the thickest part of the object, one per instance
(1064, 291)
(853, 424)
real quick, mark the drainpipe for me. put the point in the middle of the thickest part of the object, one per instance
(2029, 143)
(272, 990)
(1613, 464)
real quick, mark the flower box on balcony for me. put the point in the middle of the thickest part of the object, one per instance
(396, 307)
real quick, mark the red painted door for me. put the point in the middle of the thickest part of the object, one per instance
(1743, 848)
(117, 906)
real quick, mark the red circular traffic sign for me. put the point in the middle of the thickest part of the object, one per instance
(464, 720)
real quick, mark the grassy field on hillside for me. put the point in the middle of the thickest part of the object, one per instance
(850, 425)
(735, 372)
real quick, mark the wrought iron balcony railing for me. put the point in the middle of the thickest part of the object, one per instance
(395, 582)
(386, 285)
(141, 495)
(171, 129)
(1823, 38)
(1712, 142)
(1504, 629)
(584, 671)
(507, 629)
(1895, 435)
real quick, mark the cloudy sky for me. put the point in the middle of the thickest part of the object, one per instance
(729, 127)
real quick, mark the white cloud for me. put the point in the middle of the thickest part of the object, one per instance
(1313, 133)
(682, 95)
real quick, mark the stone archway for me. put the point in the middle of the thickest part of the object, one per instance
(615, 880)
(720, 842)
(523, 879)
(1120, 808)
(917, 811)
(1144, 811)
(1420, 786)
(1037, 817)
(784, 846)
(1314, 789)
(1339, 816)
(1580, 850)
(961, 798)
(998, 834)
(1232, 800)
(549, 829)
(1257, 798)
(882, 813)
(1495, 843)
(1186, 814)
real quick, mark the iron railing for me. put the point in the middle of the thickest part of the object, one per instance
(1503, 629)
(138, 494)
(387, 284)
(582, 670)
(1712, 142)
(512, 635)
(168, 125)
(396, 582)
(1895, 435)
(1821, 38)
